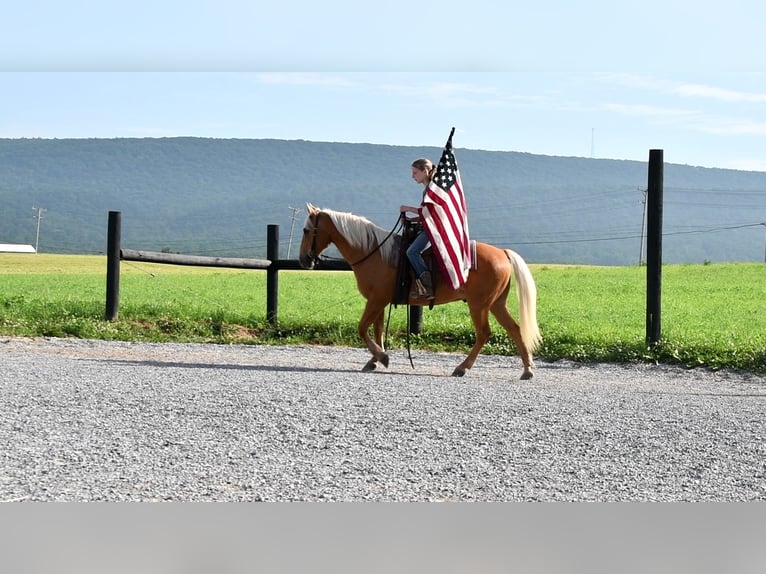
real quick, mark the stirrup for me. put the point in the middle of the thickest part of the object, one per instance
(421, 291)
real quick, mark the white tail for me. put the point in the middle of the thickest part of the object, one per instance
(526, 292)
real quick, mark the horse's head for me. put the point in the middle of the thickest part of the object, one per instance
(316, 237)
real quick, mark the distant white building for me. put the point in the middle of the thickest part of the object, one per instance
(16, 248)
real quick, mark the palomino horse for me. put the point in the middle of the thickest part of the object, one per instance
(366, 248)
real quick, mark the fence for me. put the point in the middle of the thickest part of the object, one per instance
(272, 265)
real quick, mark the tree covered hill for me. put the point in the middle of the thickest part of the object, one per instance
(216, 197)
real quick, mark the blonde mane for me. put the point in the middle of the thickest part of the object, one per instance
(362, 233)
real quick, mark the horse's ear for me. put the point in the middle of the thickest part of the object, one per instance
(311, 209)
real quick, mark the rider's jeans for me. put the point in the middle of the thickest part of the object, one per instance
(415, 253)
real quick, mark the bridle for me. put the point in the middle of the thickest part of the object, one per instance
(312, 254)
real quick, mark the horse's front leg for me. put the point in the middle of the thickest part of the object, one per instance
(373, 315)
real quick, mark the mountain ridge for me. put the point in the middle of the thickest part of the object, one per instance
(216, 196)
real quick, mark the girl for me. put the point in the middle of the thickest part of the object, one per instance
(422, 171)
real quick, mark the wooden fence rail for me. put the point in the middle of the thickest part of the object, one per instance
(195, 260)
(272, 265)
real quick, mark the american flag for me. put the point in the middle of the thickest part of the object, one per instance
(445, 218)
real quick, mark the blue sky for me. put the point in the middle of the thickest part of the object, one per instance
(591, 79)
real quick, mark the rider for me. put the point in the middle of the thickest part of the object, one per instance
(422, 171)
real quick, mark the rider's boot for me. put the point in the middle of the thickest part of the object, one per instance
(423, 287)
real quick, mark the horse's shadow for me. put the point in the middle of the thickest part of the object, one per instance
(236, 367)
(259, 368)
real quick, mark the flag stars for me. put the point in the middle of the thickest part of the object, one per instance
(447, 169)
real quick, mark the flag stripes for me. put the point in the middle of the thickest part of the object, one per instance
(445, 219)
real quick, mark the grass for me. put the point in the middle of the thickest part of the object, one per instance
(712, 315)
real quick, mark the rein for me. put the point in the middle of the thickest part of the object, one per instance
(317, 259)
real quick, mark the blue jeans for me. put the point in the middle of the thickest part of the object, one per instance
(415, 253)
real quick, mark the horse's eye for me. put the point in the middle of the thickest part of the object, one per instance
(305, 231)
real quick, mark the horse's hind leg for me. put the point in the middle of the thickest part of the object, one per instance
(375, 316)
(480, 318)
(500, 311)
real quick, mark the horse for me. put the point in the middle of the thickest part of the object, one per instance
(369, 248)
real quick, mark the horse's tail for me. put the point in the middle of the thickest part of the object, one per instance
(526, 292)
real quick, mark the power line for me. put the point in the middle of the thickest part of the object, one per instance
(295, 211)
(633, 236)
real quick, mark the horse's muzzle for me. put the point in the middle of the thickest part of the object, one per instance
(307, 261)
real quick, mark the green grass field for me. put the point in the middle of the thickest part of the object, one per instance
(712, 315)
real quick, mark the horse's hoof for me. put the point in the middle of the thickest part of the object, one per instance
(370, 366)
(526, 375)
(384, 360)
(458, 372)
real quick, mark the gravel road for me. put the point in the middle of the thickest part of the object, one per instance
(92, 420)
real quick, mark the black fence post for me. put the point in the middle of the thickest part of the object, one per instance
(416, 319)
(654, 248)
(113, 265)
(272, 273)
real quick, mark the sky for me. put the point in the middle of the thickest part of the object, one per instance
(602, 79)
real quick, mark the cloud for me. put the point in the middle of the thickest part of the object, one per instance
(735, 127)
(634, 81)
(722, 94)
(305, 79)
(691, 119)
(446, 94)
(650, 111)
(432, 89)
(688, 90)
(466, 95)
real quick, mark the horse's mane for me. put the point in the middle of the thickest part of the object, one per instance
(362, 233)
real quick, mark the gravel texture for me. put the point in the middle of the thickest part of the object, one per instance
(92, 420)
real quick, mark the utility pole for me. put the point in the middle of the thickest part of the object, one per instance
(38, 217)
(292, 225)
(643, 226)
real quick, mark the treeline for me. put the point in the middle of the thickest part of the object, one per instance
(216, 196)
